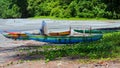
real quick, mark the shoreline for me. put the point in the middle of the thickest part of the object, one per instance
(6, 45)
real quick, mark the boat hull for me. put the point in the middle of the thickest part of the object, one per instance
(59, 33)
(95, 31)
(65, 39)
(20, 36)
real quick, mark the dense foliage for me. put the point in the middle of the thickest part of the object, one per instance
(60, 8)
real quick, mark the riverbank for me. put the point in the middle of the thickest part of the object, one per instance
(63, 64)
(8, 51)
(72, 18)
(30, 55)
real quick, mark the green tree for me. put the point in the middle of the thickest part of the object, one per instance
(60, 8)
(22, 5)
(9, 10)
(113, 6)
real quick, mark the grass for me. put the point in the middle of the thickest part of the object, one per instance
(107, 47)
(73, 18)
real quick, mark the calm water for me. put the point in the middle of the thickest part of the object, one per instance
(53, 25)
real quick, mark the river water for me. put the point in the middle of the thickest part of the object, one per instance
(53, 25)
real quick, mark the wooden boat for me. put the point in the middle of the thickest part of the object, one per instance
(59, 33)
(16, 35)
(65, 39)
(95, 31)
(44, 31)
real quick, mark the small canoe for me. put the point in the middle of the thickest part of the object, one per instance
(95, 31)
(15, 36)
(59, 33)
(65, 39)
(44, 31)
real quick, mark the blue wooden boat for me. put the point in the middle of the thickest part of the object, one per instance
(65, 39)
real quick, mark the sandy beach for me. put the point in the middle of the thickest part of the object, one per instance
(8, 47)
